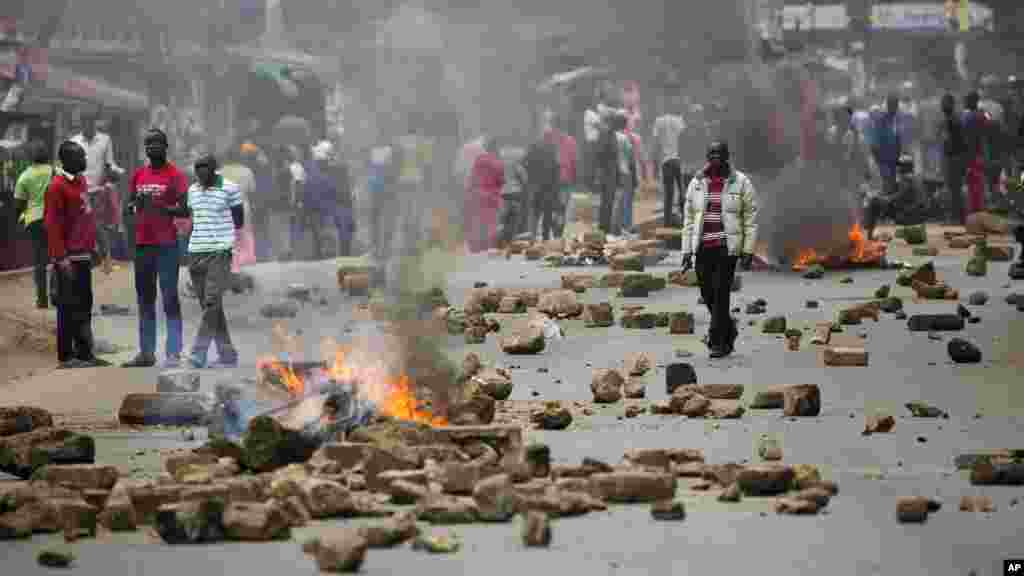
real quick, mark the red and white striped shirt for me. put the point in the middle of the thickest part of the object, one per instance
(714, 232)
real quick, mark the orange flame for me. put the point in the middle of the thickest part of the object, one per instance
(860, 251)
(394, 395)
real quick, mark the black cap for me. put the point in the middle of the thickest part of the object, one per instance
(207, 160)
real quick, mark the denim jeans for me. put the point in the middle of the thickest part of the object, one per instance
(627, 208)
(158, 265)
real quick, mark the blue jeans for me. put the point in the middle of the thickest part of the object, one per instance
(158, 265)
(627, 208)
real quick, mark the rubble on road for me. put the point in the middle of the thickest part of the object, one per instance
(637, 364)
(606, 385)
(801, 400)
(774, 325)
(772, 398)
(560, 304)
(529, 341)
(639, 320)
(342, 551)
(598, 315)
(977, 504)
(935, 322)
(23, 419)
(915, 509)
(984, 223)
(856, 314)
(22, 454)
(814, 272)
(923, 410)
(55, 557)
(998, 472)
(878, 424)
(979, 298)
(554, 416)
(437, 543)
(963, 352)
(635, 388)
(536, 530)
(631, 486)
(840, 356)
(679, 374)
(668, 510)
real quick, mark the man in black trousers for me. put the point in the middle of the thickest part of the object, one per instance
(720, 228)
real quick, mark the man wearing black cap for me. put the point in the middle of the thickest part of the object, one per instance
(719, 227)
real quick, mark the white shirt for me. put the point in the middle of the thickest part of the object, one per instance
(98, 153)
(591, 125)
(213, 227)
(667, 129)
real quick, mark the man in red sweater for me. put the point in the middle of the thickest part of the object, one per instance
(71, 234)
(155, 190)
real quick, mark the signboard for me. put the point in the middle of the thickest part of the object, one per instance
(908, 17)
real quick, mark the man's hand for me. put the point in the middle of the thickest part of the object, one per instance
(687, 262)
(746, 262)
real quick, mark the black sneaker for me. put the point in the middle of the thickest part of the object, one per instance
(140, 361)
(72, 364)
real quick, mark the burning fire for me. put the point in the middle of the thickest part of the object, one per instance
(393, 395)
(860, 251)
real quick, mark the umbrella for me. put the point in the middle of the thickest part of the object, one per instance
(293, 130)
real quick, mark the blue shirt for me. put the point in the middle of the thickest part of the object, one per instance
(886, 138)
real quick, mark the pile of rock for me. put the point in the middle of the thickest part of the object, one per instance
(926, 285)
(29, 441)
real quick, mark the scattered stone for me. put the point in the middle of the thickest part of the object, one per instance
(753, 308)
(637, 364)
(635, 388)
(856, 314)
(79, 476)
(55, 557)
(725, 409)
(935, 322)
(1017, 271)
(796, 506)
(769, 450)
(998, 472)
(977, 504)
(901, 315)
(845, 356)
(536, 530)
(178, 381)
(689, 403)
(979, 298)
(822, 333)
(538, 459)
(22, 454)
(598, 315)
(846, 280)
(437, 543)
(811, 304)
(275, 310)
(144, 409)
(447, 510)
(801, 400)
(769, 399)
(553, 417)
(878, 424)
(915, 509)
(961, 242)
(341, 551)
(999, 253)
(923, 410)
(606, 386)
(765, 480)
(814, 272)
(926, 251)
(963, 352)
(915, 235)
(628, 262)
(774, 325)
(639, 320)
(732, 493)
(633, 486)
(668, 510)
(23, 419)
(635, 286)
(686, 279)
(984, 223)
(255, 522)
(269, 445)
(891, 305)
(677, 375)
(495, 382)
(634, 410)
(882, 292)
(529, 341)
(511, 305)
(806, 476)
(495, 498)
(560, 304)
(191, 522)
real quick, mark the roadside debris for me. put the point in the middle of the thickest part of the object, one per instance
(536, 529)
(554, 416)
(923, 410)
(878, 424)
(606, 386)
(963, 352)
(668, 511)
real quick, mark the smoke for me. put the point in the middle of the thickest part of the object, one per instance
(805, 207)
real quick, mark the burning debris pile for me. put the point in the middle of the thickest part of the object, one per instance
(859, 253)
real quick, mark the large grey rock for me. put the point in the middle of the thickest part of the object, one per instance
(178, 381)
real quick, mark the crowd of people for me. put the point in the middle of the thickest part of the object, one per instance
(272, 201)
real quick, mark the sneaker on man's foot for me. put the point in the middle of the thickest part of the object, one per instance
(72, 364)
(140, 361)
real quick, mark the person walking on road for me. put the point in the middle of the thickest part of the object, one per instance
(488, 182)
(542, 177)
(218, 215)
(30, 201)
(976, 129)
(720, 228)
(668, 129)
(154, 189)
(71, 235)
(954, 154)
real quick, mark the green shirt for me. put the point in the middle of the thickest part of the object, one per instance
(31, 187)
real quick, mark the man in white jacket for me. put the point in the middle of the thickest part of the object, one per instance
(720, 228)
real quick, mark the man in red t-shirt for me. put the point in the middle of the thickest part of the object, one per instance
(155, 190)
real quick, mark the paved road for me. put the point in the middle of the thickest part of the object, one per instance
(858, 535)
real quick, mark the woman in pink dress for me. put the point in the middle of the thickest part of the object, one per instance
(488, 181)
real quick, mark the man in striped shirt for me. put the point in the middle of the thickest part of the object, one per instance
(215, 206)
(720, 227)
